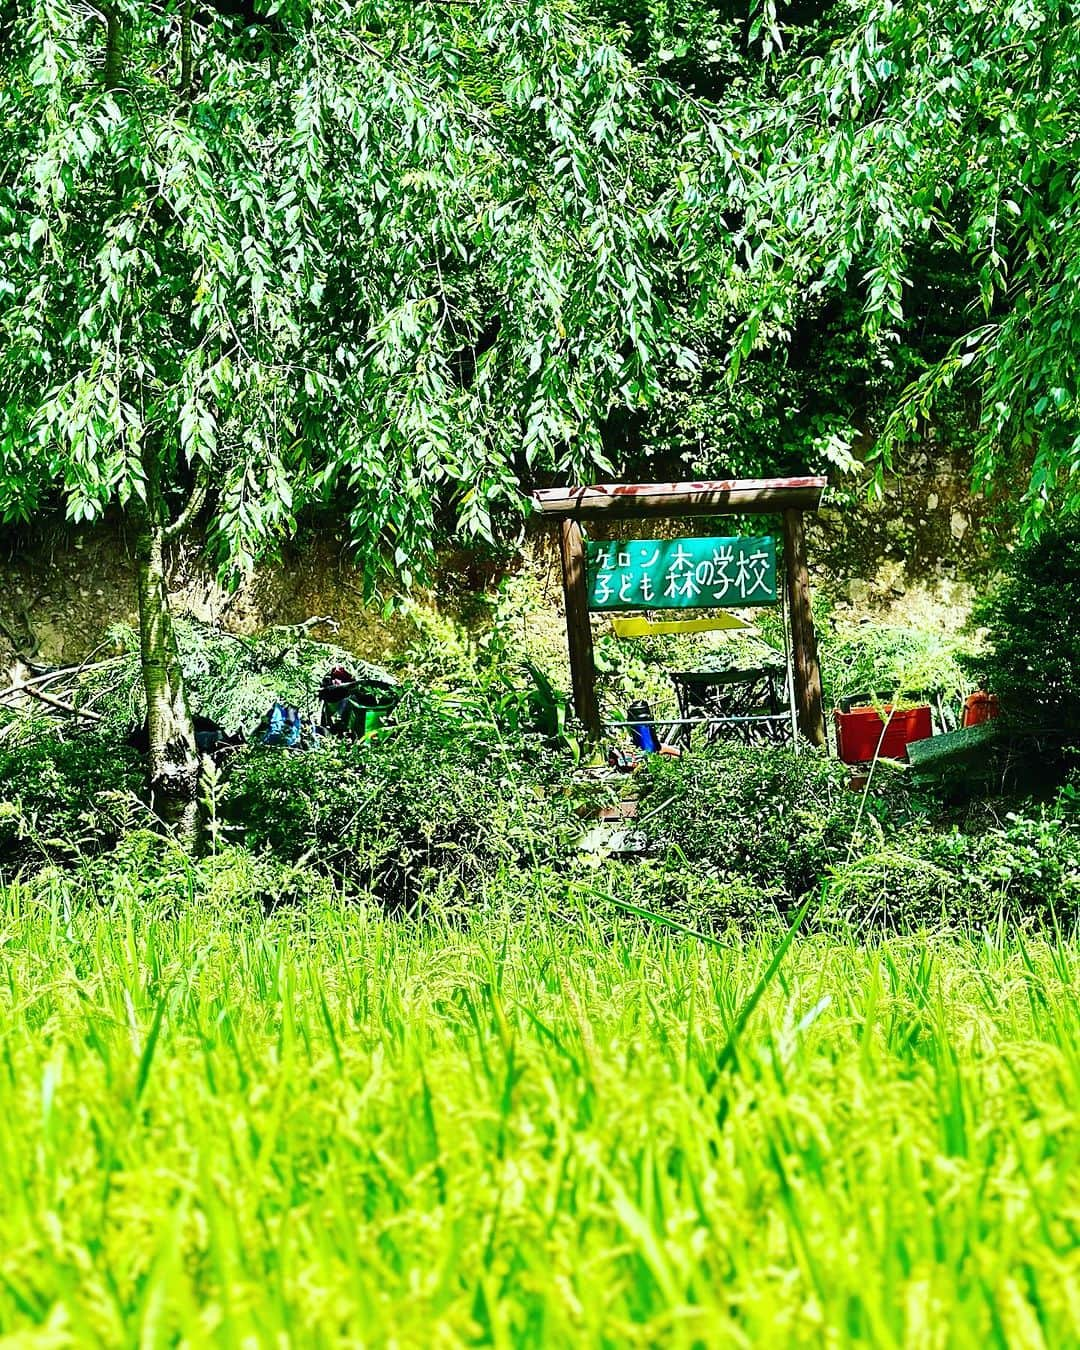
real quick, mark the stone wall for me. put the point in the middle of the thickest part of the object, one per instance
(66, 589)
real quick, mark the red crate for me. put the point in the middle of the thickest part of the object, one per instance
(859, 731)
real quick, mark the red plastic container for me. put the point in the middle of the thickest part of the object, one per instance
(858, 732)
(979, 707)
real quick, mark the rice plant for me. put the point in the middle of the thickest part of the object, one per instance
(325, 1127)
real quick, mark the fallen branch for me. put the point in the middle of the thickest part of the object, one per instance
(50, 676)
(52, 702)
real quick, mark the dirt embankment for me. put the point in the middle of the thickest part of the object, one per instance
(918, 557)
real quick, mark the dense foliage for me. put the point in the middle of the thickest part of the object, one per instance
(359, 253)
(65, 798)
(505, 240)
(938, 133)
(761, 813)
(407, 260)
(889, 661)
(391, 255)
(448, 806)
(439, 802)
(1025, 867)
(783, 827)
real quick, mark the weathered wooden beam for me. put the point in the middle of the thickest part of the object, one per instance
(578, 628)
(638, 501)
(805, 669)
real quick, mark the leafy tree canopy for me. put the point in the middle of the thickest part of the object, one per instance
(404, 256)
(393, 253)
(390, 254)
(938, 134)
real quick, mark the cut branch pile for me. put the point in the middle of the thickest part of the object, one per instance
(62, 693)
(230, 678)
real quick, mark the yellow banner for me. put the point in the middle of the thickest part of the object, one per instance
(640, 626)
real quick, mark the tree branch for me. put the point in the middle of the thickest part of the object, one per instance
(54, 702)
(194, 505)
(185, 50)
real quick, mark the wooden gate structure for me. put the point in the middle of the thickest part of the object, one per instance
(788, 497)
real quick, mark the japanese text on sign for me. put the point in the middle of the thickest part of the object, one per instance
(682, 573)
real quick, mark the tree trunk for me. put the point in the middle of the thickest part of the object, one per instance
(173, 758)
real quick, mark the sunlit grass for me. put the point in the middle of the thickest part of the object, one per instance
(328, 1126)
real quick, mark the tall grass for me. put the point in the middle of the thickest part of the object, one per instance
(325, 1126)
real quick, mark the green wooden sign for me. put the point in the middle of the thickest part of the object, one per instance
(682, 573)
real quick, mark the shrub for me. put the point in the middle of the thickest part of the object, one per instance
(766, 814)
(151, 875)
(1027, 869)
(61, 797)
(442, 799)
(892, 890)
(1032, 656)
(889, 660)
(707, 898)
(1036, 860)
(746, 832)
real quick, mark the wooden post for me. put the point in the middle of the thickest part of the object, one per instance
(803, 638)
(578, 628)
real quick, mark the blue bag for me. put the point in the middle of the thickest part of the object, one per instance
(282, 726)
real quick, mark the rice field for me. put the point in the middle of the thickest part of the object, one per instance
(326, 1127)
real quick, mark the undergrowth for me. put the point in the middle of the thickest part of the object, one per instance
(63, 797)
(441, 800)
(448, 800)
